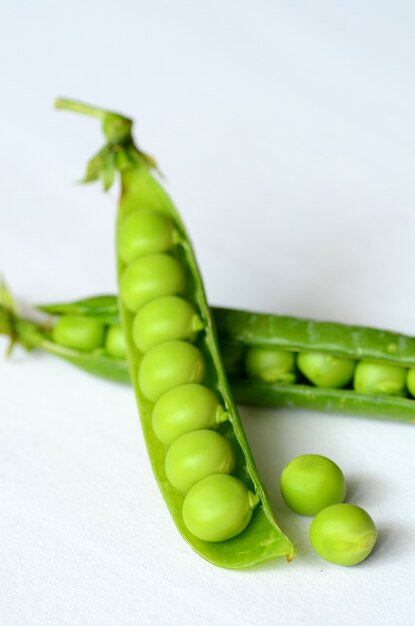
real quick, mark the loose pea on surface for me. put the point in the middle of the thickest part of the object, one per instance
(198, 454)
(343, 534)
(325, 370)
(270, 365)
(169, 365)
(218, 507)
(165, 319)
(144, 231)
(184, 409)
(311, 482)
(79, 333)
(149, 277)
(115, 342)
(372, 378)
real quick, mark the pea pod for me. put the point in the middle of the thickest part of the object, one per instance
(238, 330)
(155, 261)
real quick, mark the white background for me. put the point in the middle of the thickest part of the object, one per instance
(286, 132)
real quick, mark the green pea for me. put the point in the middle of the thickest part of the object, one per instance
(343, 534)
(218, 507)
(79, 333)
(144, 232)
(198, 454)
(169, 365)
(311, 482)
(151, 277)
(326, 370)
(410, 382)
(270, 365)
(165, 319)
(115, 342)
(373, 378)
(184, 409)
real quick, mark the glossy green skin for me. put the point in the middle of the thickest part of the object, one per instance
(262, 539)
(217, 508)
(410, 382)
(375, 378)
(184, 409)
(270, 365)
(165, 319)
(115, 342)
(198, 454)
(150, 277)
(79, 333)
(144, 232)
(311, 482)
(326, 370)
(343, 534)
(169, 365)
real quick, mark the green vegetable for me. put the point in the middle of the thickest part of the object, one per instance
(237, 331)
(165, 319)
(151, 277)
(343, 534)
(218, 507)
(373, 378)
(410, 382)
(168, 365)
(311, 482)
(184, 409)
(242, 530)
(115, 342)
(80, 333)
(273, 366)
(325, 370)
(145, 232)
(198, 454)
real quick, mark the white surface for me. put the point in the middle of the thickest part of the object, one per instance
(286, 132)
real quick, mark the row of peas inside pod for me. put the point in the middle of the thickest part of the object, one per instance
(88, 334)
(319, 369)
(341, 533)
(167, 337)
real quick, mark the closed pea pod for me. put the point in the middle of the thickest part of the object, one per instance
(171, 364)
(144, 232)
(198, 454)
(165, 319)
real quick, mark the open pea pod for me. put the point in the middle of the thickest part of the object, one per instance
(241, 331)
(156, 261)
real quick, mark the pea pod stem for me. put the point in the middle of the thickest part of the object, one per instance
(80, 107)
